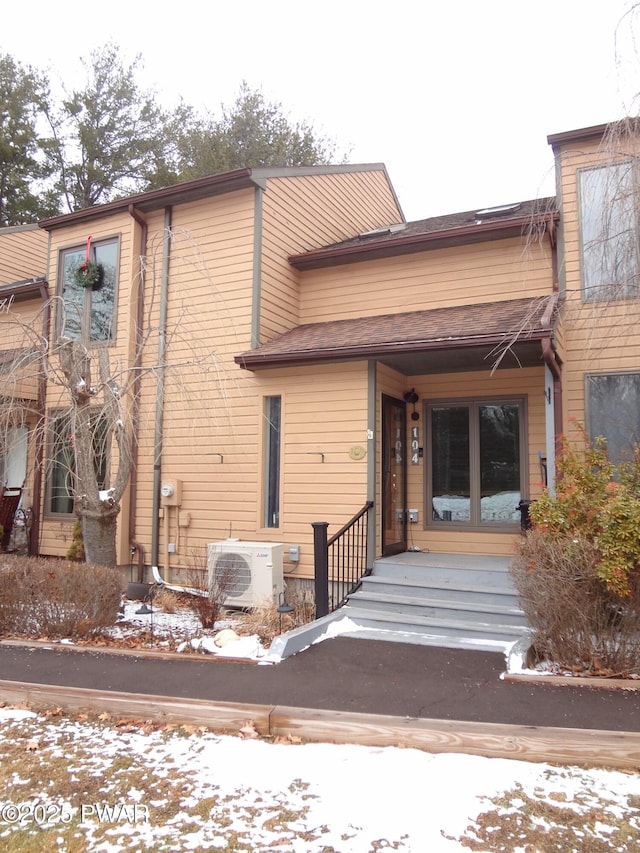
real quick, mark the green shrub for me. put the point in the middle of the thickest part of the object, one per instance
(577, 571)
(56, 598)
(600, 502)
(76, 549)
(577, 620)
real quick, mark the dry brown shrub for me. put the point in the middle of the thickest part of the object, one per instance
(167, 600)
(210, 593)
(42, 597)
(577, 622)
(267, 623)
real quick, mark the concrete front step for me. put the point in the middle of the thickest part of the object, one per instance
(350, 621)
(428, 589)
(433, 626)
(443, 642)
(465, 609)
(448, 598)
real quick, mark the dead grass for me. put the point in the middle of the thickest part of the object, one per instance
(267, 623)
(168, 601)
(536, 825)
(46, 757)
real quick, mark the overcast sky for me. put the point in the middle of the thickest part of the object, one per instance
(456, 98)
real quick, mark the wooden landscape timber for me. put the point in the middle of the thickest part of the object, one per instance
(583, 747)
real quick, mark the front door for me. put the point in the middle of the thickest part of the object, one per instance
(394, 476)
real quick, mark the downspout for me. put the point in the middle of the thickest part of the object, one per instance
(162, 352)
(41, 409)
(134, 545)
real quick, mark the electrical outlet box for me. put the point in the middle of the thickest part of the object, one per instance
(413, 516)
(294, 553)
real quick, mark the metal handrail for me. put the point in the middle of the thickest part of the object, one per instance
(341, 561)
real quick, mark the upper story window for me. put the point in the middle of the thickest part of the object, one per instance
(608, 231)
(88, 313)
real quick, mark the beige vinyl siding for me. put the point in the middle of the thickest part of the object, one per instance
(16, 318)
(217, 451)
(486, 272)
(23, 253)
(597, 336)
(303, 213)
(209, 321)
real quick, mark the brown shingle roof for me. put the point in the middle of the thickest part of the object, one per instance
(411, 332)
(470, 226)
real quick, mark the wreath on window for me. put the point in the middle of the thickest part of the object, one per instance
(89, 273)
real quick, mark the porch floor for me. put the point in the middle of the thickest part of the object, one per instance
(437, 559)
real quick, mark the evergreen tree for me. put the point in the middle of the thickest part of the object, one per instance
(252, 133)
(23, 100)
(108, 140)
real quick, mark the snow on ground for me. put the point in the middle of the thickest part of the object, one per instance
(107, 785)
(181, 630)
(180, 789)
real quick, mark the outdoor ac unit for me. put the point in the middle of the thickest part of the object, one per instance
(248, 573)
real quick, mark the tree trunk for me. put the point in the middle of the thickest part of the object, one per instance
(99, 537)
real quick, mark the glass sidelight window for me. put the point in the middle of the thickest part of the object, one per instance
(273, 444)
(475, 465)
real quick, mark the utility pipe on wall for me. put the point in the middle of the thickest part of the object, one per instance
(159, 413)
(133, 487)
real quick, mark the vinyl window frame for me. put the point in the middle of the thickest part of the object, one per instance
(474, 523)
(69, 259)
(272, 461)
(614, 197)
